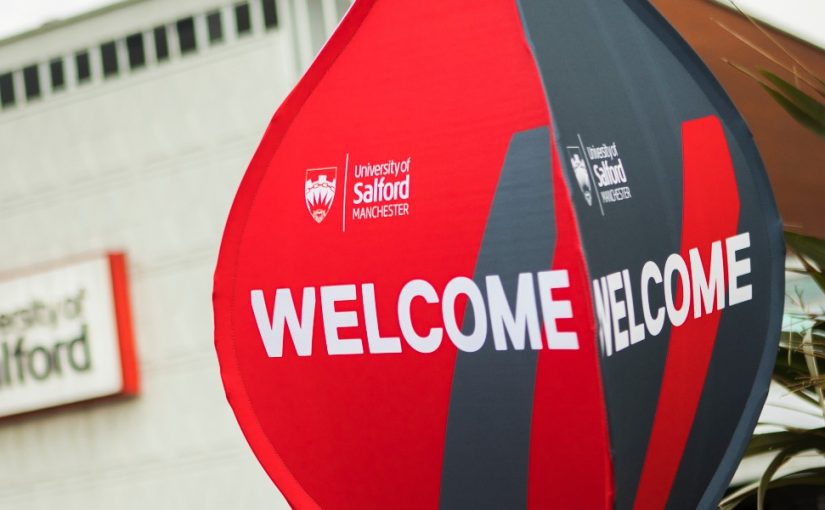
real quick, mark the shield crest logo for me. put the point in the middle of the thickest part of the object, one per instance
(319, 191)
(580, 170)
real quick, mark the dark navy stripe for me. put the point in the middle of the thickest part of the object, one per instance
(615, 71)
(488, 425)
(604, 85)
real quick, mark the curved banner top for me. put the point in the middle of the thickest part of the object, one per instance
(501, 254)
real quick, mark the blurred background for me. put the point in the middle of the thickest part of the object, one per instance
(128, 126)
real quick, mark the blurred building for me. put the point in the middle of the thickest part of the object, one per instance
(129, 128)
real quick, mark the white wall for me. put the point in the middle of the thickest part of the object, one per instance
(147, 162)
(800, 18)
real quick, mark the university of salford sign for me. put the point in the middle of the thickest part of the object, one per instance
(501, 254)
(66, 334)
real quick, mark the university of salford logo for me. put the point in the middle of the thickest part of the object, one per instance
(319, 191)
(580, 169)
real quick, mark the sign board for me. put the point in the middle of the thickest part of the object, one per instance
(505, 254)
(65, 335)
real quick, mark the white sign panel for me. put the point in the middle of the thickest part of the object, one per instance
(65, 336)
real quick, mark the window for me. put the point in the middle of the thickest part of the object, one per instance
(108, 54)
(84, 71)
(56, 72)
(214, 27)
(134, 48)
(186, 35)
(270, 14)
(31, 82)
(6, 90)
(243, 24)
(161, 44)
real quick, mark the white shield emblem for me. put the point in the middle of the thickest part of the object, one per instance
(580, 170)
(319, 191)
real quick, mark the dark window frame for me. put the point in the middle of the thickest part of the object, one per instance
(270, 14)
(57, 74)
(31, 82)
(214, 26)
(83, 66)
(243, 19)
(136, 51)
(160, 36)
(108, 58)
(187, 39)
(7, 95)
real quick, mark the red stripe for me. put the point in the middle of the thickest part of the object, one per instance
(123, 316)
(710, 213)
(569, 443)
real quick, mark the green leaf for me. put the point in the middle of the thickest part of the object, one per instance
(789, 361)
(809, 477)
(805, 102)
(778, 461)
(809, 249)
(813, 352)
(793, 371)
(801, 116)
(813, 439)
(808, 246)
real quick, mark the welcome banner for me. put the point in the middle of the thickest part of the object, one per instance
(501, 254)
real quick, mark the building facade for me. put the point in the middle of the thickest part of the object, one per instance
(129, 128)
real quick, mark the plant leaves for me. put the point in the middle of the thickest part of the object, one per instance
(809, 249)
(813, 439)
(811, 353)
(790, 365)
(792, 369)
(759, 26)
(804, 101)
(808, 477)
(815, 125)
(777, 462)
(807, 246)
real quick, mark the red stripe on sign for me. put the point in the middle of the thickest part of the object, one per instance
(123, 316)
(569, 444)
(710, 213)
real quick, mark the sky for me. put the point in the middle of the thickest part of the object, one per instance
(21, 15)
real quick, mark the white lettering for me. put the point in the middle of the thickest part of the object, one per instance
(473, 341)
(333, 320)
(377, 344)
(525, 316)
(650, 271)
(556, 309)
(705, 288)
(272, 333)
(737, 268)
(603, 315)
(637, 330)
(614, 284)
(412, 290)
(676, 264)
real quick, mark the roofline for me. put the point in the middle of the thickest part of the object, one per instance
(59, 23)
